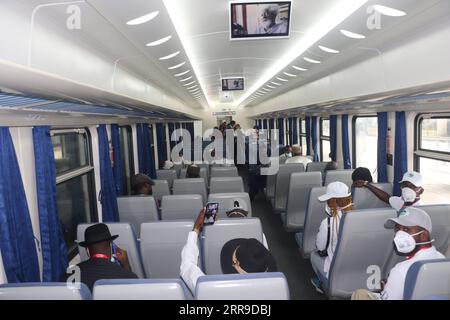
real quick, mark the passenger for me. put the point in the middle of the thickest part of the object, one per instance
(237, 256)
(339, 201)
(285, 154)
(106, 260)
(297, 156)
(412, 238)
(331, 166)
(237, 211)
(142, 184)
(411, 186)
(193, 171)
(361, 174)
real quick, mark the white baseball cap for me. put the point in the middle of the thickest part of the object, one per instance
(411, 217)
(414, 177)
(335, 190)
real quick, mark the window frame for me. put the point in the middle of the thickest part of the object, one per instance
(425, 153)
(354, 119)
(87, 170)
(322, 137)
(301, 134)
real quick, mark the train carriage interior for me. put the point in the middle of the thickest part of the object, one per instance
(225, 150)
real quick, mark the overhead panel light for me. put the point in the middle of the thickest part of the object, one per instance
(387, 11)
(170, 56)
(331, 18)
(188, 84)
(299, 69)
(311, 60)
(158, 42)
(267, 90)
(143, 19)
(352, 35)
(186, 79)
(290, 74)
(329, 50)
(177, 66)
(182, 74)
(271, 87)
(276, 83)
(194, 86)
(282, 79)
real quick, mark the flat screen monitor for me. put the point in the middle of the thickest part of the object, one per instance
(232, 84)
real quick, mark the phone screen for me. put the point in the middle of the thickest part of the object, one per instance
(211, 213)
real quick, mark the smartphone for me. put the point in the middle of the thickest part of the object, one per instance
(211, 213)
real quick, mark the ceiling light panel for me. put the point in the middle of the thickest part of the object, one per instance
(170, 56)
(144, 19)
(159, 42)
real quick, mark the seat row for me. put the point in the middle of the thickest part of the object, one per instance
(157, 254)
(365, 246)
(267, 286)
(140, 209)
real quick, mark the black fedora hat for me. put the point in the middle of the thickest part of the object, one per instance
(253, 257)
(97, 233)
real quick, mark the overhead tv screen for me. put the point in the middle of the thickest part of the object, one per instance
(260, 19)
(232, 84)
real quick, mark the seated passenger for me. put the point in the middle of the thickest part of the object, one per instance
(412, 238)
(193, 171)
(339, 201)
(237, 256)
(142, 184)
(285, 154)
(297, 156)
(411, 186)
(106, 260)
(361, 174)
(237, 211)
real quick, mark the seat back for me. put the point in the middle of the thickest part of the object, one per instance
(363, 198)
(363, 243)
(140, 289)
(226, 202)
(161, 245)
(190, 186)
(428, 278)
(185, 207)
(226, 185)
(344, 176)
(137, 210)
(160, 189)
(224, 172)
(216, 235)
(282, 184)
(300, 186)
(44, 291)
(314, 214)
(126, 240)
(252, 286)
(168, 175)
(316, 166)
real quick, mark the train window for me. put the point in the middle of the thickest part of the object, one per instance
(325, 146)
(74, 182)
(303, 136)
(365, 140)
(432, 157)
(126, 148)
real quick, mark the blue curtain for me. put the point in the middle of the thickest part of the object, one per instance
(265, 126)
(401, 156)
(308, 135)
(382, 152)
(16, 233)
(108, 195)
(161, 139)
(290, 133)
(280, 127)
(146, 163)
(260, 124)
(271, 126)
(117, 152)
(190, 128)
(314, 139)
(54, 251)
(345, 143)
(333, 137)
(294, 140)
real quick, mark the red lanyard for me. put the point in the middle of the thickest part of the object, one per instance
(100, 256)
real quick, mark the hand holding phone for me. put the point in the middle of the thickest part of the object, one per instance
(211, 213)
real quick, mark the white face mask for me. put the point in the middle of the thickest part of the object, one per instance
(405, 242)
(289, 154)
(409, 195)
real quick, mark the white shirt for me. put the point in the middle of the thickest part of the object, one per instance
(189, 270)
(321, 239)
(395, 284)
(397, 203)
(299, 159)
